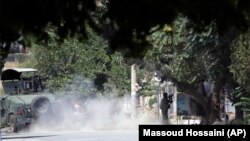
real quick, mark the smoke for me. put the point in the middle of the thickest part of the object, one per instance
(93, 114)
(73, 110)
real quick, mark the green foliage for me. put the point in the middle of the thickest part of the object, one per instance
(152, 101)
(243, 101)
(181, 53)
(184, 53)
(125, 17)
(240, 60)
(119, 74)
(62, 61)
(186, 56)
(146, 81)
(241, 71)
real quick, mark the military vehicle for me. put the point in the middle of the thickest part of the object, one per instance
(24, 100)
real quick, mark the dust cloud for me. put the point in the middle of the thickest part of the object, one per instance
(92, 114)
(80, 112)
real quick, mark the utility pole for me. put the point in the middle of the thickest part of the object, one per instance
(133, 91)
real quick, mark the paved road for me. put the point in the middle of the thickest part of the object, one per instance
(115, 135)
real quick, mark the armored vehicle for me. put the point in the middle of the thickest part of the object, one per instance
(24, 100)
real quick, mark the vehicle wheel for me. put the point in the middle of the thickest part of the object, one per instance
(40, 105)
(12, 123)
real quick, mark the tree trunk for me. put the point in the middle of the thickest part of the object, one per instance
(239, 113)
(210, 104)
(193, 92)
(214, 110)
(199, 95)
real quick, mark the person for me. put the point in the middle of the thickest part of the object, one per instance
(36, 83)
(17, 90)
(164, 106)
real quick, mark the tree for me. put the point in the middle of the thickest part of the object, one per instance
(240, 60)
(119, 21)
(242, 98)
(127, 23)
(190, 58)
(128, 17)
(118, 75)
(62, 61)
(241, 71)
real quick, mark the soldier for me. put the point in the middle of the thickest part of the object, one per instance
(165, 105)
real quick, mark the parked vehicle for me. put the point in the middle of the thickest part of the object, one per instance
(24, 100)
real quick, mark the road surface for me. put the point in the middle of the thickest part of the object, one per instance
(111, 135)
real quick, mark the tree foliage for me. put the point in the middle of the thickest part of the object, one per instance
(188, 55)
(62, 61)
(240, 60)
(117, 20)
(190, 58)
(243, 102)
(119, 74)
(241, 71)
(140, 16)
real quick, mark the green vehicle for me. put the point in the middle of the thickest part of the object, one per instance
(24, 100)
